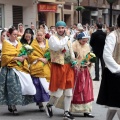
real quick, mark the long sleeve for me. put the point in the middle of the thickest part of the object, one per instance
(108, 54)
(92, 40)
(55, 44)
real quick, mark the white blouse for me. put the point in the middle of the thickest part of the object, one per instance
(108, 53)
(56, 44)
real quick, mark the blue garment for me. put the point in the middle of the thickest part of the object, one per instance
(41, 94)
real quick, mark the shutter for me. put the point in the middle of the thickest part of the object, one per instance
(17, 15)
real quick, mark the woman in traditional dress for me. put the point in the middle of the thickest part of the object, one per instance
(83, 90)
(40, 69)
(16, 86)
(2, 38)
(27, 37)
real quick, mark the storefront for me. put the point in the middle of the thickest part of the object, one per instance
(46, 13)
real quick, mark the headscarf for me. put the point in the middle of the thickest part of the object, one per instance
(60, 23)
(82, 35)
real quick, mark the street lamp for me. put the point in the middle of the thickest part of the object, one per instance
(111, 3)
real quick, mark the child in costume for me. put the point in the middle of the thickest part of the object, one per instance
(83, 89)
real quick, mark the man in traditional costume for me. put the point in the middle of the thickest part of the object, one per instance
(62, 74)
(109, 93)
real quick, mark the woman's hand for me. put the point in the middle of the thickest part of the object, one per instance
(44, 60)
(21, 59)
(25, 56)
(88, 64)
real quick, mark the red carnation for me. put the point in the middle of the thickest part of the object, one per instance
(47, 36)
(64, 50)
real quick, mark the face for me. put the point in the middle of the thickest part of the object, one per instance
(74, 26)
(41, 27)
(60, 30)
(3, 36)
(83, 41)
(40, 36)
(14, 34)
(20, 27)
(28, 36)
(32, 27)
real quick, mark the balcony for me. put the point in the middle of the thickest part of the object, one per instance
(47, 0)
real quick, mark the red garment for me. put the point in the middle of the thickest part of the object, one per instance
(83, 90)
(62, 77)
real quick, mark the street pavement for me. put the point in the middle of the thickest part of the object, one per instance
(31, 112)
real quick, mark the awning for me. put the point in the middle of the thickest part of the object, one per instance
(47, 7)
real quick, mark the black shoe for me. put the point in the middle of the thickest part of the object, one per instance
(10, 108)
(41, 108)
(68, 116)
(15, 112)
(88, 115)
(96, 79)
(48, 110)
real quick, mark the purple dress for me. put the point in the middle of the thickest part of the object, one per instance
(41, 95)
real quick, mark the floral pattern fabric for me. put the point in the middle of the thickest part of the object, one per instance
(10, 89)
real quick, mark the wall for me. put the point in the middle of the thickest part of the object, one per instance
(29, 11)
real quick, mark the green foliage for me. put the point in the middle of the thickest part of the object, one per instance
(80, 8)
(111, 1)
(47, 55)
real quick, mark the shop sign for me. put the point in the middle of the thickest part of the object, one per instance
(47, 8)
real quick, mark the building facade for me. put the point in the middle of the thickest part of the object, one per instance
(36, 12)
(52, 11)
(99, 11)
(13, 12)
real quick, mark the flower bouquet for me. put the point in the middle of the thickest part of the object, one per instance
(90, 57)
(47, 55)
(24, 51)
(19, 38)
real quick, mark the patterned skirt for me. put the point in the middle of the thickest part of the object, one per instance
(10, 89)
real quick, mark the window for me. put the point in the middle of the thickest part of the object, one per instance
(17, 15)
(1, 17)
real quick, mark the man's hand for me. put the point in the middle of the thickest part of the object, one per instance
(67, 32)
